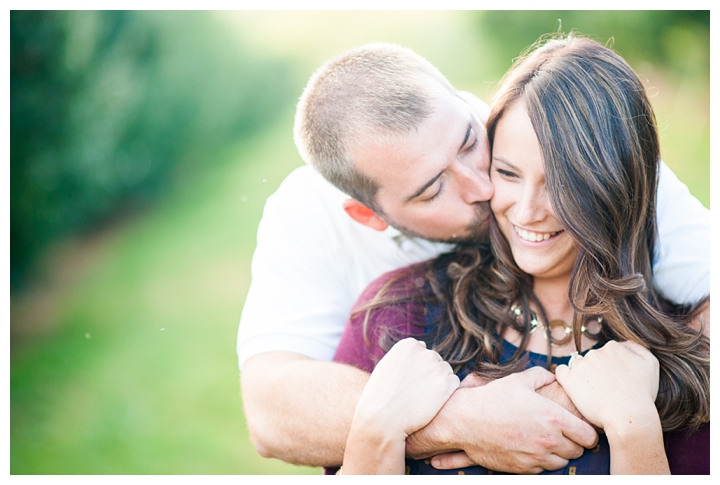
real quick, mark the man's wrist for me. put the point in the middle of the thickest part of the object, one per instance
(443, 433)
(555, 392)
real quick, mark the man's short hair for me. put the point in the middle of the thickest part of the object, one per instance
(374, 92)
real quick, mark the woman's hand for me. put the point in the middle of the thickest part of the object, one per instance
(404, 393)
(407, 388)
(614, 386)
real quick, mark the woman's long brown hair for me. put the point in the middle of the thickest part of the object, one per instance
(600, 146)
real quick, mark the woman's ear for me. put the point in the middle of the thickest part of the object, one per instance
(364, 215)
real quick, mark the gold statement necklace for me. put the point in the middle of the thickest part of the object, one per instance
(560, 330)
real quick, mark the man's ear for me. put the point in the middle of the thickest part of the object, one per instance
(364, 215)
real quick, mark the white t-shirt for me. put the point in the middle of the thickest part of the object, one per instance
(312, 261)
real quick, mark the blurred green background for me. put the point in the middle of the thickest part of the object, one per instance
(143, 146)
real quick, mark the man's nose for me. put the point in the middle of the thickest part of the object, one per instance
(476, 185)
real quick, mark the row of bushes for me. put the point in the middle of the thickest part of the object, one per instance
(667, 38)
(105, 105)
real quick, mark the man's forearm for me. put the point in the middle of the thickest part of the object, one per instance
(425, 442)
(505, 425)
(298, 409)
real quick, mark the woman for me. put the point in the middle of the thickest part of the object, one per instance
(575, 156)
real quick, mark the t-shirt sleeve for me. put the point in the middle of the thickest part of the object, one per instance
(298, 298)
(363, 343)
(682, 260)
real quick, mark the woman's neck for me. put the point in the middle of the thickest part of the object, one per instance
(553, 295)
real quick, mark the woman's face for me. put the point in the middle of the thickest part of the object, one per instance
(539, 244)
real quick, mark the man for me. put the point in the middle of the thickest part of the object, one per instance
(385, 127)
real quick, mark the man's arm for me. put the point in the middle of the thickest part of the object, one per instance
(311, 263)
(503, 424)
(419, 442)
(301, 408)
(682, 261)
(506, 426)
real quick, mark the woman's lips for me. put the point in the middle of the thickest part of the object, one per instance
(532, 236)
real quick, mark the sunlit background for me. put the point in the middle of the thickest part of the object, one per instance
(143, 147)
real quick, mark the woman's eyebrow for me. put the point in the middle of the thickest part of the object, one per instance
(501, 159)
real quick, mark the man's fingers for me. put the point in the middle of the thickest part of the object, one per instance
(459, 459)
(553, 462)
(450, 461)
(568, 449)
(536, 377)
(575, 428)
(473, 380)
(579, 431)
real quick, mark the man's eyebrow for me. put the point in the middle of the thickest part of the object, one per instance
(467, 134)
(422, 189)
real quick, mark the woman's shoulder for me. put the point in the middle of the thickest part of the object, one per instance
(399, 284)
(409, 282)
(386, 311)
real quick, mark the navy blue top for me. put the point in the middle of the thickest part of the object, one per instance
(592, 462)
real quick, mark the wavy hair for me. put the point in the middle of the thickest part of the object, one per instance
(597, 133)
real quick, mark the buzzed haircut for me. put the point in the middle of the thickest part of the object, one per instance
(376, 92)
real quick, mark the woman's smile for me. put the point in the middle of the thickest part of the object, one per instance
(532, 236)
(521, 204)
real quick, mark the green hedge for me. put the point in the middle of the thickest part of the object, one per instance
(107, 106)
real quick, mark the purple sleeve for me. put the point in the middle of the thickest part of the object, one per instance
(688, 452)
(361, 347)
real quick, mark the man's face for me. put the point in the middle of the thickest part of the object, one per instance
(434, 182)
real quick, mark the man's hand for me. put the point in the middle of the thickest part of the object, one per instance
(555, 392)
(505, 426)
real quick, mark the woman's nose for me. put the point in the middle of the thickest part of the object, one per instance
(531, 207)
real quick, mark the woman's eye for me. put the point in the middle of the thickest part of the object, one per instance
(504, 173)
